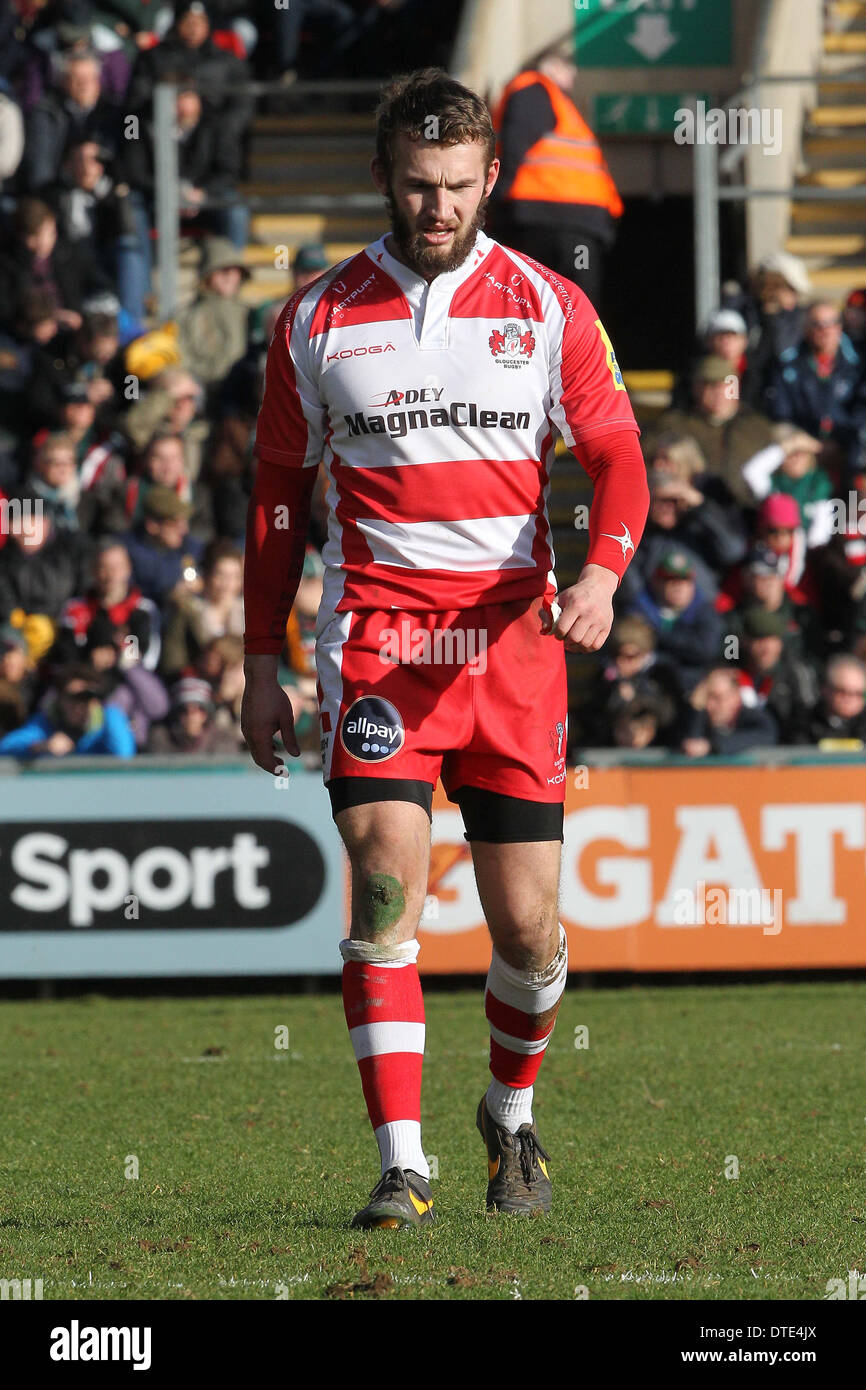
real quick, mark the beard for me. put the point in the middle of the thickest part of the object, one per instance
(433, 260)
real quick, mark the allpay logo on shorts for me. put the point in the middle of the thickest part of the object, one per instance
(372, 730)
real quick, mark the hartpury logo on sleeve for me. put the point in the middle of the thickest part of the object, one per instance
(512, 345)
(371, 730)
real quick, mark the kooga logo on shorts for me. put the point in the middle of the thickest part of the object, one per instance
(372, 730)
(123, 875)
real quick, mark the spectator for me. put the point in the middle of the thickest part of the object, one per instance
(188, 53)
(681, 516)
(40, 260)
(790, 466)
(129, 686)
(854, 321)
(17, 670)
(198, 618)
(638, 724)
(333, 25)
(114, 597)
(774, 310)
(212, 332)
(76, 720)
(838, 570)
(725, 335)
(77, 111)
(74, 36)
(54, 481)
(688, 631)
(40, 568)
(164, 556)
(554, 191)
(762, 586)
(720, 722)
(840, 714)
(171, 405)
(307, 265)
(814, 385)
(93, 213)
(633, 673)
(728, 432)
(771, 676)
(221, 664)
(163, 464)
(191, 726)
(778, 530)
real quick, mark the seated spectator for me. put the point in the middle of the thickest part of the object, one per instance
(814, 385)
(774, 308)
(17, 671)
(39, 260)
(28, 357)
(196, 619)
(191, 726)
(188, 52)
(54, 480)
(687, 627)
(728, 432)
(76, 111)
(840, 714)
(771, 676)
(762, 586)
(212, 331)
(163, 464)
(726, 335)
(40, 568)
(171, 405)
(128, 685)
(681, 516)
(74, 719)
(854, 321)
(164, 556)
(75, 35)
(777, 529)
(633, 673)
(837, 571)
(721, 723)
(790, 465)
(94, 214)
(115, 598)
(207, 171)
(638, 724)
(221, 664)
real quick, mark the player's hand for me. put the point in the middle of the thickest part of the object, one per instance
(586, 610)
(266, 711)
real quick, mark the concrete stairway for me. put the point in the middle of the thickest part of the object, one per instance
(830, 235)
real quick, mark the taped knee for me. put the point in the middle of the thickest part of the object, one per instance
(404, 953)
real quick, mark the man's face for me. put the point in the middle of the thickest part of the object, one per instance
(723, 700)
(86, 166)
(764, 652)
(184, 399)
(188, 109)
(57, 467)
(714, 400)
(824, 330)
(112, 571)
(165, 462)
(225, 282)
(193, 29)
(634, 733)
(629, 659)
(102, 347)
(798, 463)
(82, 82)
(42, 242)
(13, 664)
(768, 589)
(78, 416)
(225, 580)
(731, 346)
(75, 703)
(436, 200)
(844, 692)
(169, 532)
(193, 719)
(676, 592)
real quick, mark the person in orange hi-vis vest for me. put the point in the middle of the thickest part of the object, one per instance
(555, 199)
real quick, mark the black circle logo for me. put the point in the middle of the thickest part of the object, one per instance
(372, 730)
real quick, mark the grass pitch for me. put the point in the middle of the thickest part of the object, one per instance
(708, 1143)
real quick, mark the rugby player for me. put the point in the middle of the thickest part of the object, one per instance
(433, 373)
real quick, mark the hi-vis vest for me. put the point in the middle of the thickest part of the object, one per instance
(565, 166)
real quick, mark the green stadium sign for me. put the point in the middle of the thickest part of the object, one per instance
(652, 33)
(637, 113)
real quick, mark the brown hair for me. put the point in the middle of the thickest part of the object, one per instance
(29, 216)
(407, 103)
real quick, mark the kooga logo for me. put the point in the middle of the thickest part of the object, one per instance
(165, 873)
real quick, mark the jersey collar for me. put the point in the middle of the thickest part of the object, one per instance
(448, 281)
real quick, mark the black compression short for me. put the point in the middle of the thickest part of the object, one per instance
(488, 816)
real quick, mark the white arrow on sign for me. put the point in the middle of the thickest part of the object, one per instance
(652, 36)
(618, 111)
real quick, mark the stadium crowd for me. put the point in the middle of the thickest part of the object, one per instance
(126, 448)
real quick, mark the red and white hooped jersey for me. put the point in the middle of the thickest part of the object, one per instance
(435, 408)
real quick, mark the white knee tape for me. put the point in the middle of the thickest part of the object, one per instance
(406, 953)
(545, 986)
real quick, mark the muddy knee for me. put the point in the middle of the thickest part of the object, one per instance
(380, 903)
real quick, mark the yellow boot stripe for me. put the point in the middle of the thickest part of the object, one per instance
(420, 1206)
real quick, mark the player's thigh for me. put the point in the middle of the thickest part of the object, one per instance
(388, 844)
(518, 885)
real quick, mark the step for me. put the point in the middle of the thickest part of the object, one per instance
(829, 216)
(842, 92)
(840, 279)
(330, 123)
(841, 244)
(261, 255)
(309, 181)
(834, 178)
(844, 15)
(851, 41)
(837, 117)
(834, 151)
(314, 157)
(293, 229)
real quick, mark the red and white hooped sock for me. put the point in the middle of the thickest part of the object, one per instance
(514, 1000)
(384, 1010)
